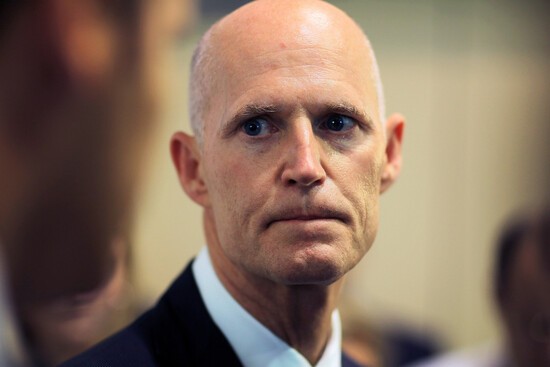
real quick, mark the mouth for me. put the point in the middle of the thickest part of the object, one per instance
(304, 219)
(299, 216)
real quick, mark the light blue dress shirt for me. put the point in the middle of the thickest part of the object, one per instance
(254, 344)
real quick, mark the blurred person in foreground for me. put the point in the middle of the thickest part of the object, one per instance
(79, 90)
(290, 155)
(522, 297)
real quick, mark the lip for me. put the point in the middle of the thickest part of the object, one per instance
(304, 219)
(321, 214)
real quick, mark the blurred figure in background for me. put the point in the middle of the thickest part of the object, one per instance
(384, 343)
(522, 297)
(80, 86)
(522, 276)
(363, 342)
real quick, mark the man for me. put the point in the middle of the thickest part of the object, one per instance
(289, 158)
(523, 290)
(522, 297)
(78, 95)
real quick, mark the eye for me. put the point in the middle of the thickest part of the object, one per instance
(256, 127)
(338, 123)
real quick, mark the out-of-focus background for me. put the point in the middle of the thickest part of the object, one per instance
(473, 79)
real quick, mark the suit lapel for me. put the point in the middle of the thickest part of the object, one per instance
(186, 334)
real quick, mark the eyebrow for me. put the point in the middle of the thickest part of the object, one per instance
(253, 110)
(348, 109)
(244, 113)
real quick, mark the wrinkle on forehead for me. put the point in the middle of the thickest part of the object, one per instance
(296, 63)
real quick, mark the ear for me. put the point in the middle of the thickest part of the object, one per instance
(394, 135)
(187, 160)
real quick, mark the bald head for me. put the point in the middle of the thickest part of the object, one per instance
(264, 27)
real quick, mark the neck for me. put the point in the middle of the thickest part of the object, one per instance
(301, 315)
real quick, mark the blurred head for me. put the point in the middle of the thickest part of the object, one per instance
(523, 288)
(82, 81)
(293, 154)
(80, 89)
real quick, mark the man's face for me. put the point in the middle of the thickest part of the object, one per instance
(292, 158)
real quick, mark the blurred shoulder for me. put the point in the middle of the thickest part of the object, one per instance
(128, 347)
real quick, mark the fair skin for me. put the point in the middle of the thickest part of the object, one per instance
(292, 164)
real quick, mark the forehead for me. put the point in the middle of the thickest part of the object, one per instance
(301, 72)
(259, 40)
(311, 61)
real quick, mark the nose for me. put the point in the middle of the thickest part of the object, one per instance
(302, 165)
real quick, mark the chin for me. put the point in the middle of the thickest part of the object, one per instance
(312, 279)
(314, 270)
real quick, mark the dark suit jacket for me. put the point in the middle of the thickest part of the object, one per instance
(178, 331)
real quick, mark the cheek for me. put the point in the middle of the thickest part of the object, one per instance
(362, 177)
(361, 186)
(234, 192)
(223, 196)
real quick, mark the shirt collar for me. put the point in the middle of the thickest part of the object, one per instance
(254, 344)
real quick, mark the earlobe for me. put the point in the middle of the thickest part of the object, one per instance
(187, 160)
(394, 138)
